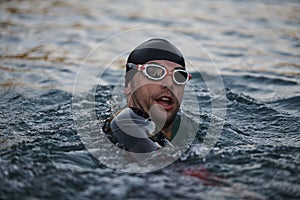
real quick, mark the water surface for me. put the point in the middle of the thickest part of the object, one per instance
(255, 46)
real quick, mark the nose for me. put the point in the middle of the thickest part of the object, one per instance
(167, 81)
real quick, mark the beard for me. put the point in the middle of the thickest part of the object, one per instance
(150, 104)
(161, 117)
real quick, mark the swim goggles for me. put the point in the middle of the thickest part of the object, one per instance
(157, 72)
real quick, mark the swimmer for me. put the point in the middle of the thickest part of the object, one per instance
(154, 87)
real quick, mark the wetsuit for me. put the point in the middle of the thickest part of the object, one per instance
(133, 130)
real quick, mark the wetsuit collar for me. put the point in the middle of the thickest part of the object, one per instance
(140, 112)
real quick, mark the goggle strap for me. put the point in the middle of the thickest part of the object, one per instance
(135, 66)
(131, 65)
(140, 67)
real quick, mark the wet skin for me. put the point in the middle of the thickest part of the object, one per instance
(160, 99)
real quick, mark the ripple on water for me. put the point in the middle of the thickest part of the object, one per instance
(255, 44)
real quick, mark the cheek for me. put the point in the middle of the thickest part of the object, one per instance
(179, 94)
(139, 82)
(146, 90)
(143, 85)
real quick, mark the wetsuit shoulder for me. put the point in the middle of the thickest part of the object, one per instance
(130, 128)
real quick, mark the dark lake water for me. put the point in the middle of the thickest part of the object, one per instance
(47, 59)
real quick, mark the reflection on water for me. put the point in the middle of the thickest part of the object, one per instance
(254, 44)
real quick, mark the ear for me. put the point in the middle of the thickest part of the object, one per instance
(127, 90)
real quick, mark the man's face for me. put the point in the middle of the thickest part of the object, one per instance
(160, 98)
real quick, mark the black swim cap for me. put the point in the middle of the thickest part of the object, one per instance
(153, 49)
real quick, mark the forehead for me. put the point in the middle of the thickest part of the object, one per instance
(166, 63)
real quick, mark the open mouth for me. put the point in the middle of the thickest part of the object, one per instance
(166, 102)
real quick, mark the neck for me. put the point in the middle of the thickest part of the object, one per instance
(168, 132)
